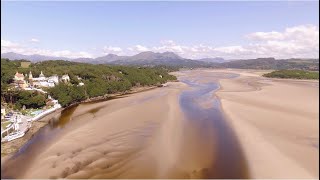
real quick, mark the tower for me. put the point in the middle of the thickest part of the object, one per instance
(30, 75)
(41, 74)
(30, 78)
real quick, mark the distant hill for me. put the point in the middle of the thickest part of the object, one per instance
(150, 58)
(153, 59)
(215, 60)
(33, 58)
(272, 63)
(141, 57)
(101, 60)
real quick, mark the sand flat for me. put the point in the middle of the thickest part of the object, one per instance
(269, 126)
(133, 137)
(277, 123)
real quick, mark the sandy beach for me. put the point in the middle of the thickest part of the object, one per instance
(252, 127)
(9, 148)
(277, 123)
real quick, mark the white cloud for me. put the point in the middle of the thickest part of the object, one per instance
(34, 40)
(298, 41)
(133, 50)
(231, 49)
(112, 50)
(141, 48)
(8, 46)
(265, 36)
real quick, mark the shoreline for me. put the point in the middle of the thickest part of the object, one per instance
(131, 127)
(10, 148)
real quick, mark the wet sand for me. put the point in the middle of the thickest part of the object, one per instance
(94, 140)
(10, 148)
(162, 133)
(276, 121)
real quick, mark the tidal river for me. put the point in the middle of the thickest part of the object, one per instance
(177, 131)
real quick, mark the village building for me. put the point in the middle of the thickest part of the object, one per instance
(18, 76)
(52, 102)
(79, 78)
(43, 81)
(39, 81)
(54, 79)
(65, 78)
(40, 78)
(30, 79)
(19, 81)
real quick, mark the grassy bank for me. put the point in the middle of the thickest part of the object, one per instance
(293, 74)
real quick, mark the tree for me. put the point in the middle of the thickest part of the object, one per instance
(98, 79)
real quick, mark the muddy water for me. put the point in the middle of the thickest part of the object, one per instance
(208, 123)
(205, 134)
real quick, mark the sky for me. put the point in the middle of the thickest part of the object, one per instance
(228, 29)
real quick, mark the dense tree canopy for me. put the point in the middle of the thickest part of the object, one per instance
(98, 79)
(293, 74)
(30, 99)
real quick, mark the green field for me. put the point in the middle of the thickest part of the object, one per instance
(293, 74)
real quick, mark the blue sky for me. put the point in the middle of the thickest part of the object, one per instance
(98, 28)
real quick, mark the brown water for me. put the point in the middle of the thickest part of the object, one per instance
(205, 134)
(209, 123)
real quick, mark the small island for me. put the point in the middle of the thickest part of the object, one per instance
(293, 74)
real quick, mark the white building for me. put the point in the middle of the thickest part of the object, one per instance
(18, 77)
(19, 80)
(65, 78)
(80, 84)
(40, 78)
(54, 79)
(79, 78)
(39, 81)
(43, 81)
(46, 83)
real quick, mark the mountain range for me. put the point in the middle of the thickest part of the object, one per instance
(147, 57)
(32, 58)
(150, 58)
